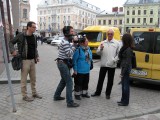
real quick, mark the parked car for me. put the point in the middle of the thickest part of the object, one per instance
(45, 39)
(49, 40)
(57, 41)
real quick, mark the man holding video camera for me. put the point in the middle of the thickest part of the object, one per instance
(64, 64)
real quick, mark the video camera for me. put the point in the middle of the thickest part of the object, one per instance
(79, 38)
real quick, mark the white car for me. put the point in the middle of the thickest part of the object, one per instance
(57, 41)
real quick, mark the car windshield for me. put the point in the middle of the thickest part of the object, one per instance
(93, 36)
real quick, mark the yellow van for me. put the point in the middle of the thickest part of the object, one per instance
(96, 34)
(147, 50)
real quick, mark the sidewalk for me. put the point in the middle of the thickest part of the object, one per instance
(142, 101)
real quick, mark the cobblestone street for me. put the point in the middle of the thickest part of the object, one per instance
(142, 101)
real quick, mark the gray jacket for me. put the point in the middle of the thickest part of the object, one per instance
(22, 45)
(126, 60)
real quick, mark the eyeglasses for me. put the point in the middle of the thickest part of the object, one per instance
(110, 33)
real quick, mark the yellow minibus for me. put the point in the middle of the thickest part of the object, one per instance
(96, 34)
(147, 51)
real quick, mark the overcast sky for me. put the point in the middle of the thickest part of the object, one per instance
(102, 4)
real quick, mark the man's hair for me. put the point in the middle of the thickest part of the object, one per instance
(66, 30)
(29, 24)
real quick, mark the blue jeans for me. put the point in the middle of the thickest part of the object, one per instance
(125, 87)
(66, 80)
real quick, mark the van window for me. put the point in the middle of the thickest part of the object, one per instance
(104, 36)
(157, 43)
(93, 36)
(143, 41)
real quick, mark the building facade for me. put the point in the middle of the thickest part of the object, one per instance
(113, 19)
(142, 13)
(21, 14)
(6, 30)
(53, 15)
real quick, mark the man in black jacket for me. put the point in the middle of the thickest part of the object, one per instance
(27, 48)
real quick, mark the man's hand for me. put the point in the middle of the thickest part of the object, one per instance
(14, 53)
(101, 46)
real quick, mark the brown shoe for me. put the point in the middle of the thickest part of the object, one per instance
(37, 96)
(28, 99)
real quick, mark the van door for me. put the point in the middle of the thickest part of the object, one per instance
(156, 58)
(144, 54)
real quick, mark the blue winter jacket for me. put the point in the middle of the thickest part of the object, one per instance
(80, 65)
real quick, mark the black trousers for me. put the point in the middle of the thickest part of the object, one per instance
(81, 83)
(102, 74)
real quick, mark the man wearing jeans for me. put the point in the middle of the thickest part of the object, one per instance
(27, 48)
(65, 52)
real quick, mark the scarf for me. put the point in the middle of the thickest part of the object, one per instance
(86, 52)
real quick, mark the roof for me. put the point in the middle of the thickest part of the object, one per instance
(142, 1)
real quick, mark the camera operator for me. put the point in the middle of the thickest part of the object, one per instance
(81, 65)
(64, 64)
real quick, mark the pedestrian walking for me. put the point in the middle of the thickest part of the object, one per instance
(17, 32)
(125, 56)
(81, 65)
(108, 50)
(64, 65)
(27, 48)
(41, 38)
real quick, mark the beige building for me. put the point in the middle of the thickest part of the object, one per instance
(142, 13)
(21, 12)
(53, 15)
(114, 19)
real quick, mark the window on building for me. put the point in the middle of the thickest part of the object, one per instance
(99, 22)
(69, 10)
(115, 22)
(127, 20)
(40, 19)
(44, 12)
(151, 11)
(40, 12)
(49, 11)
(104, 22)
(133, 12)
(145, 12)
(120, 22)
(144, 20)
(133, 20)
(109, 22)
(127, 12)
(139, 12)
(64, 10)
(139, 20)
(49, 20)
(24, 13)
(151, 20)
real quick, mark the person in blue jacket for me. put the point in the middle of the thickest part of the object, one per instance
(81, 65)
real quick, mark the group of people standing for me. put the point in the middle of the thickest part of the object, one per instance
(110, 51)
(79, 57)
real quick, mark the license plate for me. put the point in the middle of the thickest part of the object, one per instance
(138, 72)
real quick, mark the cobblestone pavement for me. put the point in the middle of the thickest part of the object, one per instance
(142, 101)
